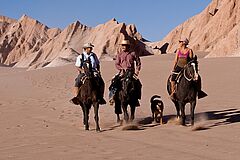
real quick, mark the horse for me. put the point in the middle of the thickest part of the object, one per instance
(186, 90)
(126, 96)
(89, 95)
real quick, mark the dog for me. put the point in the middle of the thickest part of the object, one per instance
(157, 107)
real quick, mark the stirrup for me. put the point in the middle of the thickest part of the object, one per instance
(111, 101)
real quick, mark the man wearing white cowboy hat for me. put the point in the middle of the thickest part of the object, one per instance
(87, 53)
(125, 61)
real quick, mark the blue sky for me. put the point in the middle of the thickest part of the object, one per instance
(153, 18)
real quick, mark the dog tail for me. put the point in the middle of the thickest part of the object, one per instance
(153, 97)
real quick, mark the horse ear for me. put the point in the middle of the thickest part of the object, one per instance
(195, 58)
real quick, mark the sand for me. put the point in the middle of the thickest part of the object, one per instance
(38, 122)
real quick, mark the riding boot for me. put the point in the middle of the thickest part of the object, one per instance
(137, 103)
(138, 89)
(75, 100)
(102, 86)
(201, 94)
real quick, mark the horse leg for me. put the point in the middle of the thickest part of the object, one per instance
(177, 109)
(161, 117)
(126, 116)
(118, 118)
(83, 110)
(183, 116)
(86, 117)
(193, 104)
(156, 117)
(132, 113)
(153, 117)
(118, 109)
(96, 117)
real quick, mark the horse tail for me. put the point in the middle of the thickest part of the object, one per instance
(153, 98)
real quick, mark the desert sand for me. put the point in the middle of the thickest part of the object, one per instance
(38, 122)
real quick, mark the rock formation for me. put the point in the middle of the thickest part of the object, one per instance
(28, 43)
(215, 30)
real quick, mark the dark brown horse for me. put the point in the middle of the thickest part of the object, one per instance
(186, 90)
(127, 95)
(89, 95)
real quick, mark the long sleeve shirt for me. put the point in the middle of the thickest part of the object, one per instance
(125, 60)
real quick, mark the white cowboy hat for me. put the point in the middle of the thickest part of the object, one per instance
(125, 42)
(88, 45)
(184, 40)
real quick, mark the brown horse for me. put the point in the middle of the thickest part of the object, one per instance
(128, 95)
(89, 95)
(186, 90)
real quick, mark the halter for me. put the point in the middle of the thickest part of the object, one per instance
(195, 72)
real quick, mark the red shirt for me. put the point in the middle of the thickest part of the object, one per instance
(125, 60)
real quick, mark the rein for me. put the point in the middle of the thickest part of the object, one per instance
(184, 71)
(185, 76)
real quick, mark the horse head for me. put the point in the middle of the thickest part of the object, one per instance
(87, 66)
(191, 70)
(128, 83)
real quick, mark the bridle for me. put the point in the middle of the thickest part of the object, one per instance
(192, 77)
(126, 81)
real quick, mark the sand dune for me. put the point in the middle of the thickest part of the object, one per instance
(38, 122)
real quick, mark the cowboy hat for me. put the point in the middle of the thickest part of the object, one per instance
(88, 45)
(184, 40)
(125, 42)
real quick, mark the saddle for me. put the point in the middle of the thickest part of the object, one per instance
(95, 74)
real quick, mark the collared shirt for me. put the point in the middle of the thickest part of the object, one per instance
(125, 60)
(93, 57)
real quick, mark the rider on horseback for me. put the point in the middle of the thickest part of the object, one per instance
(81, 59)
(183, 56)
(125, 61)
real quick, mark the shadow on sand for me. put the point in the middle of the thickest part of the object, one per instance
(220, 117)
(224, 117)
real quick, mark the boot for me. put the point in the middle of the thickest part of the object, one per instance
(201, 94)
(137, 103)
(102, 86)
(138, 89)
(74, 100)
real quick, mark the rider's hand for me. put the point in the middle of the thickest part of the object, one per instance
(137, 72)
(121, 73)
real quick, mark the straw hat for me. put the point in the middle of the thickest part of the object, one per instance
(88, 45)
(184, 40)
(125, 42)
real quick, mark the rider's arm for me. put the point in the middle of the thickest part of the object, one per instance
(175, 60)
(80, 70)
(138, 64)
(78, 65)
(191, 54)
(118, 62)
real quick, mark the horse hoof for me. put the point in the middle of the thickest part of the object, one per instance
(118, 120)
(98, 130)
(86, 128)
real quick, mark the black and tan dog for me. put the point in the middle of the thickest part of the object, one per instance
(157, 108)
